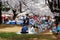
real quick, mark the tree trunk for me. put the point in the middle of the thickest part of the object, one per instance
(0, 12)
(20, 7)
(14, 12)
(59, 4)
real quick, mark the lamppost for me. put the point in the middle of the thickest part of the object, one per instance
(0, 12)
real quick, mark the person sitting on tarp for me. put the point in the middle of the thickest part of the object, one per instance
(31, 29)
(36, 18)
(54, 28)
(58, 29)
(24, 29)
(31, 21)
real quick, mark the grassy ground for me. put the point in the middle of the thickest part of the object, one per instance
(6, 35)
(14, 36)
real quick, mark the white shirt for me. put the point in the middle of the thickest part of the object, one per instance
(31, 30)
(44, 18)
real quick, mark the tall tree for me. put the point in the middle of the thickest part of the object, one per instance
(20, 6)
(0, 11)
(59, 4)
(14, 12)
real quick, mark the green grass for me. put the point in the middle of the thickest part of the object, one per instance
(14, 36)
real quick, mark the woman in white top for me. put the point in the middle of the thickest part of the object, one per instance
(31, 29)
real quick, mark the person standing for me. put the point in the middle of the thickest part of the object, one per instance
(27, 19)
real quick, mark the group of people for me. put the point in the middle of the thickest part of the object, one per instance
(32, 23)
(55, 28)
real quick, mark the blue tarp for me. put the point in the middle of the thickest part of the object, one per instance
(12, 22)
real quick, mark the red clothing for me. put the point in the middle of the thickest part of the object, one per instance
(3, 17)
(36, 18)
